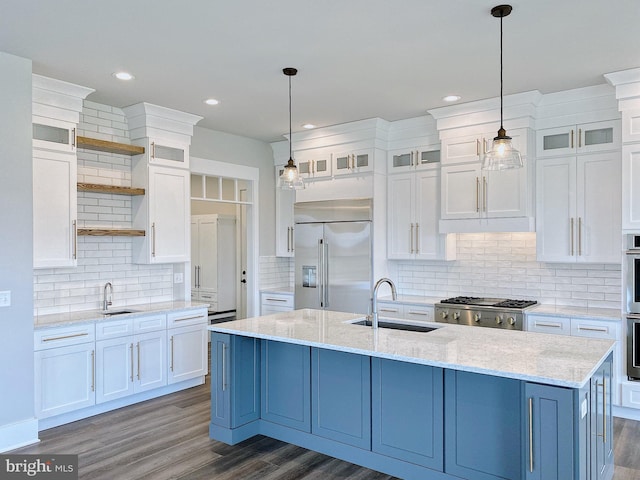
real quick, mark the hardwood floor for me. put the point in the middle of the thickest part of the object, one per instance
(167, 438)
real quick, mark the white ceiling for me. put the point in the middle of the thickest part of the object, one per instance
(357, 59)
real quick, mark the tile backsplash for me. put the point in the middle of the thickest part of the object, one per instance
(276, 272)
(102, 259)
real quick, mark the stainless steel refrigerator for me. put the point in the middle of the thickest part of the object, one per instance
(333, 262)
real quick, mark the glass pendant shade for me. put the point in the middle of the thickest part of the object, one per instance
(290, 178)
(502, 155)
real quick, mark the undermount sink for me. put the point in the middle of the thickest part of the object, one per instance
(110, 313)
(396, 326)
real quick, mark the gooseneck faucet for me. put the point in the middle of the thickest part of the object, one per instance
(374, 300)
(107, 299)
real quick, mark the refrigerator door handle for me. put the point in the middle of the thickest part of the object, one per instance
(321, 273)
(325, 276)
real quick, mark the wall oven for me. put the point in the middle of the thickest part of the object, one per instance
(632, 283)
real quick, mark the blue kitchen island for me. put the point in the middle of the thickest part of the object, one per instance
(455, 402)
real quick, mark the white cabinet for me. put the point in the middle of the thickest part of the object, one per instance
(409, 159)
(549, 324)
(51, 134)
(631, 187)
(313, 164)
(470, 192)
(54, 209)
(578, 209)
(275, 302)
(64, 362)
(406, 311)
(284, 218)
(352, 162)
(187, 345)
(164, 152)
(412, 218)
(163, 212)
(471, 147)
(575, 139)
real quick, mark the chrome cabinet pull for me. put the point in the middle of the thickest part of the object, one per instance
(153, 150)
(224, 367)
(571, 235)
(320, 273)
(477, 195)
(93, 370)
(580, 236)
(417, 238)
(389, 310)
(66, 336)
(276, 299)
(417, 158)
(425, 314)
(171, 342)
(579, 138)
(139, 359)
(572, 138)
(411, 239)
(193, 317)
(74, 226)
(153, 239)
(326, 274)
(411, 158)
(593, 329)
(531, 434)
(549, 325)
(74, 137)
(484, 193)
(131, 357)
(604, 409)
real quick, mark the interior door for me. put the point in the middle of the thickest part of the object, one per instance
(348, 269)
(308, 274)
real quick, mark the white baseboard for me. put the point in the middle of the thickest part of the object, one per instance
(19, 434)
(626, 412)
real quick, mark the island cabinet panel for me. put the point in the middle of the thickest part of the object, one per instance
(549, 434)
(602, 423)
(341, 399)
(483, 426)
(407, 405)
(235, 363)
(286, 384)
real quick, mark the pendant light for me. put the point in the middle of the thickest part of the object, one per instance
(290, 178)
(502, 155)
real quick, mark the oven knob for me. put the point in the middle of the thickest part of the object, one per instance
(477, 317)
(444, 315)
(512, 321)
(456, 315)
(498, 320)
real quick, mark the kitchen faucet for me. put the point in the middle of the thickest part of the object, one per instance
(107, 300)
(374, 299)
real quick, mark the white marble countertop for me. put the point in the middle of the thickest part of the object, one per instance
(88, 316)
(567, 311)
(550, 359)
(412, 299)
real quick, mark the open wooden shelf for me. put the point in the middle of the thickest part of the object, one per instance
(114, 189)
(110, 232)
(107, 146)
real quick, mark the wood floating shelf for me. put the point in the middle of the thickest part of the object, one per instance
(114, 189)
(110, 232)
(109, 147)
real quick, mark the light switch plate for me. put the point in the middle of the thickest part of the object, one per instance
(583, 408)
(178, 278)
(5, 298)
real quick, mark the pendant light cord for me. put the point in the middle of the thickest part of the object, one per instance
(290, 138)
(501, 93)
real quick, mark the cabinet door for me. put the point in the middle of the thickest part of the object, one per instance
(220, 376)
(115, 368)
(163, 153)
(429, 244)
(549, 439)
(602, 422)
(598, 208)
(505, 192)
(313, 164)
(187, 353)
(208, 253)
(464, 149)
(483, 426)
(53, 134)
(631, 186)
(345, 163)
(169, 215)
(286, 384)
(461, 191)
(284, 222)
(151, 360)
(407, 405)
(598, 136)
(64, 379)
(556, 221)
(54, 209)
(341, 400)
(400, 223)
(556, 141)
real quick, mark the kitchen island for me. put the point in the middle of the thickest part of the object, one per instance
(455, 402)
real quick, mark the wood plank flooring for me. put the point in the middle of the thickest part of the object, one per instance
(168, 438)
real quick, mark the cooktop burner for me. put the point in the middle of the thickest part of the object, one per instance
(489, 302)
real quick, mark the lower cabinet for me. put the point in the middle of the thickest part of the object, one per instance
(187, 345)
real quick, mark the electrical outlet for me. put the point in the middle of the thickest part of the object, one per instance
(5, 298)
(178, 277)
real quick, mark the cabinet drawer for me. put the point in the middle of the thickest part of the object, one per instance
(269, 309)
(390, 310)
(208, 295)
(421, 313)
(45, 338)
(184, 318)
(555, 325)
(581, 327)
(114, 328)
(277, 299)
(151, 323)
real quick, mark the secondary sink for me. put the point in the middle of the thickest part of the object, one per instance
(396, 326)
(110, 313)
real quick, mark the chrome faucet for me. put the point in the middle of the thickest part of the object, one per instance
(107, 300)
(374, 300)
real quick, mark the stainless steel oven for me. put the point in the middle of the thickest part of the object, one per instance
(633, 347)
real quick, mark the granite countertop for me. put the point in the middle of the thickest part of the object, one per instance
(549, 359)
(88, 316)
(584, 312)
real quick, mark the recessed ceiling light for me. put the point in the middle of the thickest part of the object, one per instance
(451, 98)
(123, 76)
(211, 101)
(308, 125)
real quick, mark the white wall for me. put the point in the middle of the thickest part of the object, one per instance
(227, 148)
(17, 422)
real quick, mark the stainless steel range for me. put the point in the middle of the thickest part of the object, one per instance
(483, 312)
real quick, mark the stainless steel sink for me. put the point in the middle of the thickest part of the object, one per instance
(397, 326)
(111, 313)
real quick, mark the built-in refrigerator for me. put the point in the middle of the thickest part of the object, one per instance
(333, 261)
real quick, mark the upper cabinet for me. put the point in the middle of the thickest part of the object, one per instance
(313, 164)
(165, 152)
(409, 159)
(51, 134)
(345, 163)
(471, 148)
(575, 139)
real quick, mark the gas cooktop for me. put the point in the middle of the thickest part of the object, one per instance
(489, 302)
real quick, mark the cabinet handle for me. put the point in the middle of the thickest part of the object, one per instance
(411, 158)
(593, 329)
(477, 194)
(73, 138)
(313, 166)
(484, 193)
(411, 238)
(153, 150)
(93, 370)
(580, 236)
(426, 314)
(604, 410)
(579, 138)
(224, 367)
(288, 239)
(171, 342)
(390, 310)
(131, 357)
(571, 235)
(484, 146)
(417, 158)
(292, 240)
(187, 318)
(531, 434)
(139, 359)
(66, 336)
(153, 239)
(549, 325)
(477, 147)
(417, 238)
(572, 138)
(276, 299)
(74, 226)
